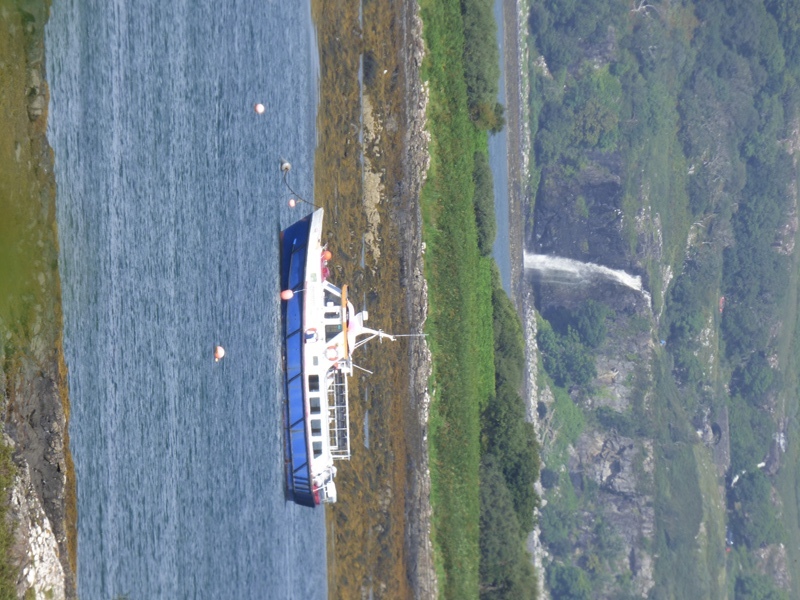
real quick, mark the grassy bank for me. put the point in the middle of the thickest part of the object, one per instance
(460, 312)
(30, 298)
(365, 532)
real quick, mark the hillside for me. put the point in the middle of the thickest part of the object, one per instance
(665, 147)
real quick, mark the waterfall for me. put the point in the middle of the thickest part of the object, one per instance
(555, 269)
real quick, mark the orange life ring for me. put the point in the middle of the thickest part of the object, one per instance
(331, 353)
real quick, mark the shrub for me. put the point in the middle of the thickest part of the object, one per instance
(483, 200)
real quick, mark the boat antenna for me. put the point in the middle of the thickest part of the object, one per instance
(286, 166)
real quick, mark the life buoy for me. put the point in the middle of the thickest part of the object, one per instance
(311, 334)
(331, 353)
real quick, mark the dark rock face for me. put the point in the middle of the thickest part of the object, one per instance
(36, 422)
(622, 300)
(579, 215)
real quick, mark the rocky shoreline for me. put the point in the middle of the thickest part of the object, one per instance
(35, 406)
(519, 176)
(418, 543)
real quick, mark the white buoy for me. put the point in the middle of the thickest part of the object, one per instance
(219, 353)
(292, 203)
(260, 108)
(285, 166)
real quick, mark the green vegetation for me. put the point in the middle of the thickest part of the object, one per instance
(459, 230)
(484, 203)
(27, 244)
(678, 498)
(567, 341)
(481, 64)
(484, 454)
(559, 521)
(508, 437)
(586, 117)
(750, 584)
(698, 103)
(569, 583)
(509, 465)
(755, 586)
(754, 516)
(8, 574)
(505, 569)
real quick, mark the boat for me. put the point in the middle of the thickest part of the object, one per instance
(321, 330)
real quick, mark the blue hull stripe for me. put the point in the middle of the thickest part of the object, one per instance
(294, 242)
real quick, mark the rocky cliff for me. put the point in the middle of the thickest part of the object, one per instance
(599, 462)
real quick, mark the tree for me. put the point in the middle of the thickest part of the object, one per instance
(565, 358)
(755, 586)
(505, 569)
(753, 429)
(568, 583)
(590, 323)
(755, 378)
(755, 520)
(481, 63)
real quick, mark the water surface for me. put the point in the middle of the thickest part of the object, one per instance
(498, 160)
(169, 206)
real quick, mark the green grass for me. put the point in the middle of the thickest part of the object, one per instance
(20, 209)
(712, 542)
(568, 421)
(30, 302)
(459, 324)
(20, 258)
(787, 480)
(681, 567)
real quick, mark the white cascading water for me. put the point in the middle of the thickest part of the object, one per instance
(555, 269)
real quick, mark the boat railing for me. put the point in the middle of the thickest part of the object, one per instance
(339, 417)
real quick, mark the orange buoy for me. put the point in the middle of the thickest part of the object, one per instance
(219, 353)
(326, 255)
(287, 295)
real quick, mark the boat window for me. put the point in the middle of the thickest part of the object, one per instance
(332, 313)
(316, 427)
(313, 383)
(332, 330)
(314, 402)
(317, 449)
(332, 298)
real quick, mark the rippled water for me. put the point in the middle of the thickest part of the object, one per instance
(169, 207)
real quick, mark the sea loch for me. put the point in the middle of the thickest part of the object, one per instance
(170, 201)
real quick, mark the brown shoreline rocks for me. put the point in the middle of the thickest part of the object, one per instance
(419, 546)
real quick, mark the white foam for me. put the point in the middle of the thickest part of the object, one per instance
(566, 270)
